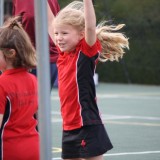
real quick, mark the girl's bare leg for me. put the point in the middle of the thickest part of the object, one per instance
(96, 158)
(75, 159)
(92, 158)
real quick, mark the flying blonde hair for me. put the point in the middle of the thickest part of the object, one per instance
(112, 41)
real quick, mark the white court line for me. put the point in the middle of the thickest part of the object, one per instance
(123, 154)
(131, 153)
(127, 96)
(55, 113)
(116, 117)
(54, 97)
(118, 123)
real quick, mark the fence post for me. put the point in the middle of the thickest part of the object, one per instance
(42, 48)
(1, 11)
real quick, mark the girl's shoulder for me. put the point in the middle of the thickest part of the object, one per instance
(90, 51)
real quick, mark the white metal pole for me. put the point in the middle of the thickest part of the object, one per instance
(42, 48)
(1, 11)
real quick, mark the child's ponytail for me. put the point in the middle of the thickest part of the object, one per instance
(13, 23)
(13, 36)
(113, 42)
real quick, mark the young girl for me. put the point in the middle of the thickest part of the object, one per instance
(19, 139)
(80, 46)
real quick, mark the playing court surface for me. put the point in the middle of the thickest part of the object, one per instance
(131, 114)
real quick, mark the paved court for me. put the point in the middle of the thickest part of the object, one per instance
(131, 114)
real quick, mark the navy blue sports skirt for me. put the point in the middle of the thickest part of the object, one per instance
(86, 142)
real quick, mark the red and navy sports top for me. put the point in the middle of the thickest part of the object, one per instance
(76, 86)
(18, 104)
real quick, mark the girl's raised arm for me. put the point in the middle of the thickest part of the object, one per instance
(50, 21)
(90, 22)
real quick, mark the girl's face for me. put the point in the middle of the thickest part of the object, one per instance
(3, 64)
(67, 37)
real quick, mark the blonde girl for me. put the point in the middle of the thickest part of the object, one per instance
(81, 45)
(18, 91)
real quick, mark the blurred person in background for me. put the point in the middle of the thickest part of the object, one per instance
(25, 8)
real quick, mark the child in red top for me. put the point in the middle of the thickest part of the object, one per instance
(81, 45)
(19, 139)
